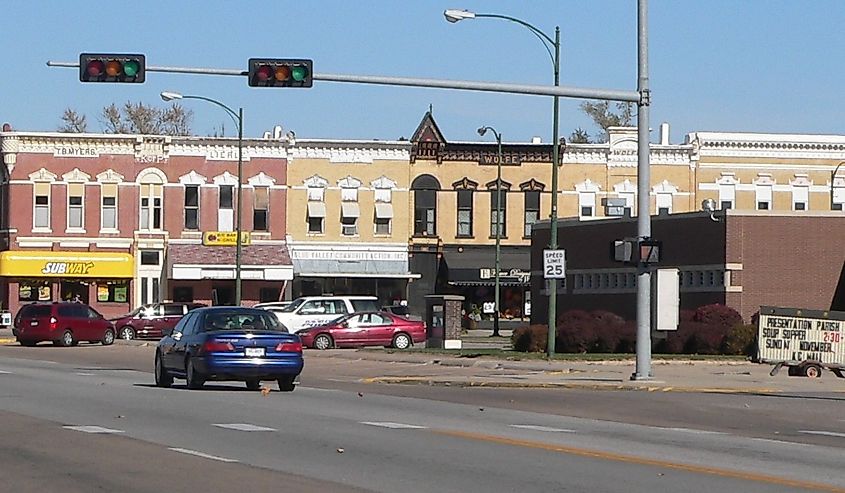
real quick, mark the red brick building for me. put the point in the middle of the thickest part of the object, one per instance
(118, 220)
(743, 259)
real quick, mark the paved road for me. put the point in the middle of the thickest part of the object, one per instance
(328, 434)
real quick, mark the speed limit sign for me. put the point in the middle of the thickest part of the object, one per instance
(554, 264)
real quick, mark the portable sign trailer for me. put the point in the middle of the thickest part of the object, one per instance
(805, 341)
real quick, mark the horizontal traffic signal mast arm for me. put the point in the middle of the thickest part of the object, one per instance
(539, 90)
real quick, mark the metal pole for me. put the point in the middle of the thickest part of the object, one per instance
(643, 371)
(238, 291)
(499, 224)
(550, 347)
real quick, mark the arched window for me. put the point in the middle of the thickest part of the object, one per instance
(152, 182)
(425, 189)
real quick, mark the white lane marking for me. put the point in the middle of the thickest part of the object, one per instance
(824, 433)
(243, 427)
(321, 390)
(690, 430)
(393, 426)
(85, 374)
(4, 372)
(92, 429)
(543, 428)
(200, 454)
(781, 442)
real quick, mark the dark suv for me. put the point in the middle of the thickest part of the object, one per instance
(152, 321)
(63, 323)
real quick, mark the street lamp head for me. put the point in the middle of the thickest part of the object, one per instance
(455, 15)
(482, 131)
(170, 96)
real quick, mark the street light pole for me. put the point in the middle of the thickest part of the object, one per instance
(832, 177)
(499, 222)
(238, 118)
(456, 15)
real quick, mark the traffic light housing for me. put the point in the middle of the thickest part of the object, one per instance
(114, 67)
(280, 72)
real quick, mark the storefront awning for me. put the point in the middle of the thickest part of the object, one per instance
(476, 266)
(350, 209)
(316, 209)
(348, 262)
(258, 262)
(34, 264)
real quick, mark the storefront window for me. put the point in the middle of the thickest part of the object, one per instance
(269, 294)
(183, 293)
(113, 292)
(74, 291)
(34, 291)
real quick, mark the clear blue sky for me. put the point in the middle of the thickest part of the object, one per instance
(717, 65)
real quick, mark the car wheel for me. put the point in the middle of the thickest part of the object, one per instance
(127, 333)
(192, 376)
(67, 339)
(108, 337)
(401, 341)
(322, 341)
(253, 384)
(286, 384)
(163, 378)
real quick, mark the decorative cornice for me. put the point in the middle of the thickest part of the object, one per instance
(42, 175)
(226, 179)
(665, 187)
(316, 181)
(532, 184)
(383, 182)
(625, 187)
(466, 184)
(192, 178)
(349, 182)
(261, 180)
(338, 154)
(587, 186)
(76, 175)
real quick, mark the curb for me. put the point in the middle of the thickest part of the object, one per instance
(8, 340)
(563, 385)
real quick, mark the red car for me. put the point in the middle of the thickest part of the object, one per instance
(365, 329)
(152, 321)
(63, 323)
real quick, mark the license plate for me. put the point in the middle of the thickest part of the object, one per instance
(33, 323)
(254, 352)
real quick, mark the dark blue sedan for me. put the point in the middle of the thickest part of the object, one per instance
(229, 343)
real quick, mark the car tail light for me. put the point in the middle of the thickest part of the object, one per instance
(53, 323)
(289, 347)
(217, 347)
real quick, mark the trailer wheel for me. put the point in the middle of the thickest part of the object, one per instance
(812, 371)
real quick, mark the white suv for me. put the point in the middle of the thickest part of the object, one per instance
(311, 311)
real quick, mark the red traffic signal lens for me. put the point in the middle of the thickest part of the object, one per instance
(95, 68)
(263, 73)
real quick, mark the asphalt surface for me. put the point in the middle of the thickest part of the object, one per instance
(381, 443)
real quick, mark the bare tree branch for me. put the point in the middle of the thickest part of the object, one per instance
(73, 122)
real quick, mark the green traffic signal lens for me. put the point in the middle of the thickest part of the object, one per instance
(299, 73)
(131, 68)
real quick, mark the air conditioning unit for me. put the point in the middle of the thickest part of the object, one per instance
(350, 230)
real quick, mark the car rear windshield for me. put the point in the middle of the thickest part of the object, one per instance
(241, 320)
(364, 305)
(36, 311)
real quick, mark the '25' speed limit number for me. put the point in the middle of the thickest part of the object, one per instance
(554, 264)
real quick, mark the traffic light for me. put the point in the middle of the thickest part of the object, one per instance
(280, 72)
(99, 67)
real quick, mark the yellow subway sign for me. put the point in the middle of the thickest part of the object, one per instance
(103, 265)
(225, 238)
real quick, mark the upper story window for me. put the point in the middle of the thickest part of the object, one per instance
(837, 194)
(532, 210)
(261, 209)
(383, 196)
(664, 203)
(41, 216)
(587, 204)
(152, 189)
(108, 206)
(192, 207)
(316, 212)
(763, 195)
(498, 208)
(425, 189)
(801, 193)
(75, 207)
(465, 212)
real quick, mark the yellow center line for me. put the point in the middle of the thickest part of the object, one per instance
(597, 454)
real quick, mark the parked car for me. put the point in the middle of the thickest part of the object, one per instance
(401, 310)
(311, 311)
(63, 323)
(365, 329)
(229, 343)
(273, 305)
(152, 321)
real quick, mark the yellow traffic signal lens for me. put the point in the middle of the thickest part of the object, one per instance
(282, 73)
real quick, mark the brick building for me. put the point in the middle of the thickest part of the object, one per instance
(743, 259)
(118, 220)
